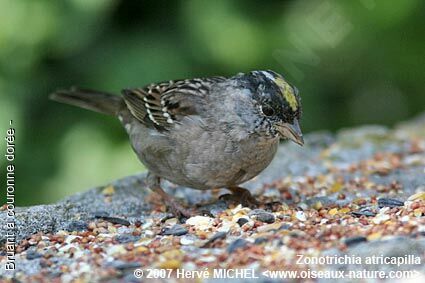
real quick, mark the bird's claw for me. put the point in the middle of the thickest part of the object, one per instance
(241, 196)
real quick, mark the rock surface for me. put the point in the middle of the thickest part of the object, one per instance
(359, 192)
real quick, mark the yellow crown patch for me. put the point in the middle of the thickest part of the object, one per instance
(287, 93)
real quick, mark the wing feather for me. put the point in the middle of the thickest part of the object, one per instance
(163, 104)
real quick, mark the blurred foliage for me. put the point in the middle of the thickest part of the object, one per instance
(354, 62)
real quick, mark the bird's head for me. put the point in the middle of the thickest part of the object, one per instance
(277, 105)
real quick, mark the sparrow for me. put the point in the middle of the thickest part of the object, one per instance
(202, 133)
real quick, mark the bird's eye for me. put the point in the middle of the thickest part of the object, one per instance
(267, 110)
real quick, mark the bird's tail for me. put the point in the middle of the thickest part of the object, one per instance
(101, 102)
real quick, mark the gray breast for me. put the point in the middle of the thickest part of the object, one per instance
(192, 157)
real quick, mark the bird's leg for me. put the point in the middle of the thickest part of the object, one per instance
(171, 203)
(242, 196)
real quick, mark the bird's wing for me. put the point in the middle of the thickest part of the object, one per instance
(163, 104)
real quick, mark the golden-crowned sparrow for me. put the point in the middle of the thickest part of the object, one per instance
(202, 133)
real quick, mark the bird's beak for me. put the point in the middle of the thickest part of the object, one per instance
(291, 131)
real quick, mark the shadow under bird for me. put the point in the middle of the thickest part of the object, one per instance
(202, 133)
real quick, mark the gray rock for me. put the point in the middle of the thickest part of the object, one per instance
(115, 220)
(242, 221)
(121, 265)
(176, 230)
(355, 240)
(389, 202)
(127, 201)
(76, 225)
(126, 238)
(237, 244)
(364, 212)
(127, 204)
(261, 215)
(33, 254)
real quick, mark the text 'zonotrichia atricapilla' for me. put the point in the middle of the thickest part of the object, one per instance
(202, 133)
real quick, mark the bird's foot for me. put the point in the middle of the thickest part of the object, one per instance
(178, 210)
(242, 196)
(170, 202)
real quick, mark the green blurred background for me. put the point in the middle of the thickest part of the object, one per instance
(355, 62)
